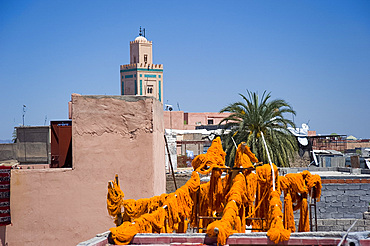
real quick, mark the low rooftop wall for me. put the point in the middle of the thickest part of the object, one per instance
(256, 238)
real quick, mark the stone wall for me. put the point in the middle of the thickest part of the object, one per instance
(343, 225)
(342, 204)
(344, 200)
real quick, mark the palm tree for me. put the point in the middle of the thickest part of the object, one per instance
(253, 116)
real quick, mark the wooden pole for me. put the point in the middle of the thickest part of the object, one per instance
(169, 158)
(119, 215)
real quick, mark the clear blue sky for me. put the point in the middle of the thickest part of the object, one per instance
(313, 54)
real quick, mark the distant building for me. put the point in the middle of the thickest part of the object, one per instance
(142, 77)
(32, 146)
(358, 143)
(181, 120)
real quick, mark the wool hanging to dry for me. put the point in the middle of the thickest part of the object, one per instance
(237, 198)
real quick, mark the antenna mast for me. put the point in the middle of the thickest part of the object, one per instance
(24, 112)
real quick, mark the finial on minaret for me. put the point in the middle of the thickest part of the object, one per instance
(140, 34)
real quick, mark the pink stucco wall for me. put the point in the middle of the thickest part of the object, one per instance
(176, 119)
(173, 119)
(110, 135)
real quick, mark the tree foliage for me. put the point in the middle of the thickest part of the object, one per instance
(254, 115)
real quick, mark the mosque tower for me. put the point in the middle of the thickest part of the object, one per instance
(141, 77)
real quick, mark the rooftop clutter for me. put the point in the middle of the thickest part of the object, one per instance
(222, 206)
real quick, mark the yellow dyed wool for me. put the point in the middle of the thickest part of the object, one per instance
(135, 208)
(244, 156)
(215, 157)
(304, 223)
(231, 222)
(251, 188)
(147, 223)
(172, 215)
(204, 205)
(289, 223)
(226, 226)
(216, 191)
(314, 184)
(277, 233)
(114, 198)
(264, 188)
(248, 195)
(238, 189)
(148, 214)
(300, 186)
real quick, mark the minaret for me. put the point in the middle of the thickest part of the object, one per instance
(141, 77)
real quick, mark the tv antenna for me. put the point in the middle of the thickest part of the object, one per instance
(23, 113)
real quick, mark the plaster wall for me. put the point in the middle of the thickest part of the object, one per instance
(193, 119)
(32, 146)
(122, 134)
(173, 120)
(33, 134)
(140, 48)
(7, 152)
(32, 153)
(357, 144)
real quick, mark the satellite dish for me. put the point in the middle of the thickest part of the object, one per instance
(305, 128)
(303, 141)
(168, 107)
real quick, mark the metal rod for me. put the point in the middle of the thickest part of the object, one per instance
(311, 205)
(268, 156)
(116, 177)
(198, 209)
(345, 235)
(234, 142)
(315, 214)
(311, 229)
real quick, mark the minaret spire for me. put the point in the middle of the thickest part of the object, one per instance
(140, 34)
